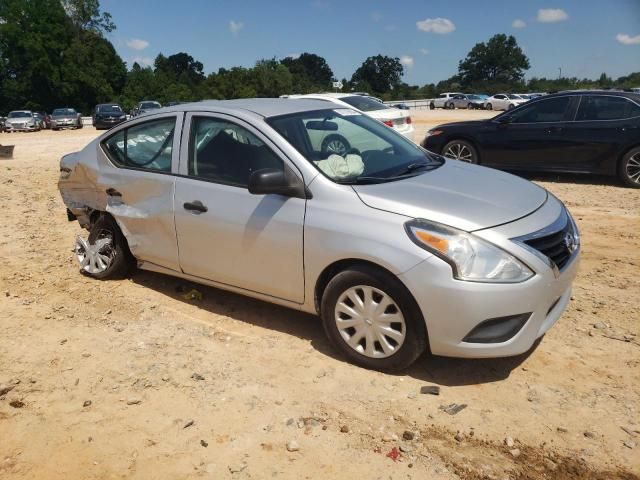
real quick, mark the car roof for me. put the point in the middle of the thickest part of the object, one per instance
(326, 95)
(264, 107)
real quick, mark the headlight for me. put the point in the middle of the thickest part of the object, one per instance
(122, 117)
(432, 133)
(471, 258)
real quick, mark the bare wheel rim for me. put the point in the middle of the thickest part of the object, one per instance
(459, 151)
(370, 322)
(97, 257)
(336, 146)
(633, 168)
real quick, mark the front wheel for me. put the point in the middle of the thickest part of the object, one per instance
(510, 106)
(432, 106)
(373, 320)
(335, 144)
(105, 253)
(629, 168)
(460, 150)
(489, 106)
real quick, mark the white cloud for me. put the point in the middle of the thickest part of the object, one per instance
(549, 15)
(376, 16)
(625, 39)
(517, 23)
(143, 61)
(438, 25)
(137, 44)
(407, 61)
(424, 51)
(292, 55)
(235, 27)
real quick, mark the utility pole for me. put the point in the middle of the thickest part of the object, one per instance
(560, 74)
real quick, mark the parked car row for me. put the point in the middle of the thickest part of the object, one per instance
(499, 101)
(29, 121)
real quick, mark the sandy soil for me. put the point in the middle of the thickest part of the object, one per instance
(127, 379)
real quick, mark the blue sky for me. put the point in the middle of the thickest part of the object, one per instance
(584, 37)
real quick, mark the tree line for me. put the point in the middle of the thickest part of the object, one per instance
(54, 53)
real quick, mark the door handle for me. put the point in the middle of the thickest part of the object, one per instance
(554, 130)
(112, 192)
(196, 206)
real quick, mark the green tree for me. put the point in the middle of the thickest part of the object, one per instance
(500, 61)
(86, 15)
(309, 72)
(380, 73)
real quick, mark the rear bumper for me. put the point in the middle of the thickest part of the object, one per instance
(407, 131)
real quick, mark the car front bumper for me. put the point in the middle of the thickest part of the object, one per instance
(64, 123)
(104, 123)
(452, 308)
(20, 128)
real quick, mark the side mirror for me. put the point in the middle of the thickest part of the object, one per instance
(270, 181)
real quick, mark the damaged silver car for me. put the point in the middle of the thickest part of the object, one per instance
(397, 249)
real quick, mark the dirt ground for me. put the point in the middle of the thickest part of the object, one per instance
(128, 379)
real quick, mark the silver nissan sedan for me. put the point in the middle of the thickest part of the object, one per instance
(397, 249)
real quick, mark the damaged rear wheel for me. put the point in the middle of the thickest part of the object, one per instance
(105, 254)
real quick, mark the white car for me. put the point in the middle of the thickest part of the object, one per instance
(398, 119)
(503, 101)
(443, 100)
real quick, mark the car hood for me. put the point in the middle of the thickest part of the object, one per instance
(19, 119)
(458, 194)
(468, 123)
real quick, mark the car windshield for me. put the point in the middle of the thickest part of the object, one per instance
(62, 112)
(19, 114)
(109, 109)
(149, 105)
(474, 97)
(364, 104)
(352, 148)
(513, 96)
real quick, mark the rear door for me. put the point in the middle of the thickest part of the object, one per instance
(534, 137)
(603, 128)
(226, 234)
(136, 181)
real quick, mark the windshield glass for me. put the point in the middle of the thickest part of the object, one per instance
(19, 114)
(513, 96)
(61, 112)
(109, 109)
(364, 104)
(349, 147)
(149, 105)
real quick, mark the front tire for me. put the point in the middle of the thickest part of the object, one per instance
(460, 150)
(105, 253)
(335, 144)
(489, 106)
(372, 319)
(432, 106)
(629, 168)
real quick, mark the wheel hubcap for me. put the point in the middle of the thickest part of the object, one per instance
(633, 168)
(458, 151)
(337, 147)
(370, 322)
(97, 257)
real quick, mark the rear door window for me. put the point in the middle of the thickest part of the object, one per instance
(146, 146)
(601, 107)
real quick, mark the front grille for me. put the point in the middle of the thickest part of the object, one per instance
(557, 246)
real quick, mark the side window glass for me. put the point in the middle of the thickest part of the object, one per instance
(552, 110)
(149, 145)
(227, 153)
(146, 146)
(606, 108)
(114, 146)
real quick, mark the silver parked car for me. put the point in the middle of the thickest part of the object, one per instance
(21, 121)
(397, 249)
(65, 118)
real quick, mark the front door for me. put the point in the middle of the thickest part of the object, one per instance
(533, 138)
(226, 234)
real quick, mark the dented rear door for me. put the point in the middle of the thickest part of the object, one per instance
(136, 184)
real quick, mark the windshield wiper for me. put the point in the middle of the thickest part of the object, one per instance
(412, 167)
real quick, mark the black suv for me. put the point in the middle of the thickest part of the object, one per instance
(587, 131)
(106, 115)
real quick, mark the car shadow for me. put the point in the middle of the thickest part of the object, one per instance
(428, 368)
